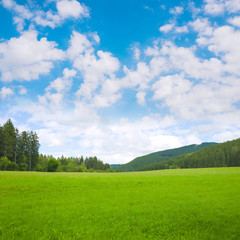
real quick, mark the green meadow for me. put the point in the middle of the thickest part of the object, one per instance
(168, 204)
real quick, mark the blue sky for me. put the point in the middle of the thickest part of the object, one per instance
(120, 79)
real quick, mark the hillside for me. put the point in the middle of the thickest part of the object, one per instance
(221, 155)
(160, 156)
(114, 166)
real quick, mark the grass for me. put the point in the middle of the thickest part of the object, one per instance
(169, 204)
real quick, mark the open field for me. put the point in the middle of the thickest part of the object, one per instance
(169, 204)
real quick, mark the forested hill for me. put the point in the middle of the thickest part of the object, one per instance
(160, 156)
(222, 155)
(114, 166)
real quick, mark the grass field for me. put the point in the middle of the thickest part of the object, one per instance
(169, 204)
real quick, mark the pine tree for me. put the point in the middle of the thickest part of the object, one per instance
(33, 149)
(9, 140)
(1, 142)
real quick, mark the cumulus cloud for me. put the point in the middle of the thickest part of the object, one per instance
(109, 93)
(202, 26)
(184, 59)
(21, 12)
(204, 100)
(71, 8)
(214, 7)
(217, 7)
(136, 78)
(62, 84)
(5, 92)
(176, 10)
(26, 57)
(182, 29)
(172, 85)
(235, 21)
(65, 9)
(166, 28)
(96, 67)
(54, 93)
(232, 5)
(203, 88)
(224, 43)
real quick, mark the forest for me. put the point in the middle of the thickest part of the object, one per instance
(225, 154)
(20, 151)
(160, 156)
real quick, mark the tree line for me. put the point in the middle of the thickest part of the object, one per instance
(20, 151)
(221, 155)
(71, 164)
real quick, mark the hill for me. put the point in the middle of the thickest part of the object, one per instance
(160, 156)
(114, 166)
(222, 155)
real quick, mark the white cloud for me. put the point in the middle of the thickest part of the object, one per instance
(217, 7)
(79, 44)
(183, 29)
(109, 93)
(226, 135)
(54, 93)
(176, 10)
(172, 85)
(158, 64)
(94, 36)
(50, 137)
(71, 8)
(232, 5)
(199, 102)
(46, 19)
(202, 26)
(184, 59)
(22, 13)
(141, 98)
(62, 84)
(96, 70)
(214, 7)
(130, 139)
(195, 11)
(213, 93)
(69, 73)
(26, 57)
(136, 52)
(166, 28)
(65, 9)
(8, 4)
(22, 90)
(5, 92)
(235, 21)
(138, 78)
(225, 44)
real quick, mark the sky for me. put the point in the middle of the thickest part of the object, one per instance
(120, 79)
